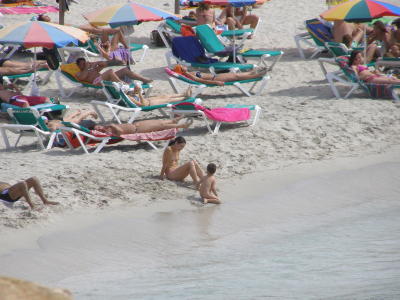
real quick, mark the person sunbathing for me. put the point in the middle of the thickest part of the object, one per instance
(219, 79)
(144, 126)
(13, 67)
(90, 72)
(113, 51)
(394, 51)
(170, 164)
(137, 97)
(79, 117)
(86, 27)
(356, 62)
(205, 15)
(381, 34)
(396, 31)
(12, 95)
(237, 18)
(12, 193)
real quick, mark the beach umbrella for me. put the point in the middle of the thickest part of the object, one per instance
(360, 11)
(127, 14)
(41, 34)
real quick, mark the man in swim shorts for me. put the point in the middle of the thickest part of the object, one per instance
(90, 72)
(12, 95)
(12, 193)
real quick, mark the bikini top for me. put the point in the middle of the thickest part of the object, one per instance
(361, 68)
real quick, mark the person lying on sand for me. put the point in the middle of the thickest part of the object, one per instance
(90, 72)
(207, 186)
(13, 67)
(170, 163)
(12, 95)
(356, 62)
(219, 79)
(12, 193)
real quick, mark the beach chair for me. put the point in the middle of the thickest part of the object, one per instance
(316, 36)
(174, 78)
(348, 77)
(28, 122)
(168, 30)
(79, 137)
(118, 101)
(231, 113)
(188, 51)
(45, 108)
(213, 45)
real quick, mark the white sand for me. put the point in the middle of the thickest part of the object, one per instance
(301, 122)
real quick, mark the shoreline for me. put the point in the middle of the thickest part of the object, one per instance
(244, 188)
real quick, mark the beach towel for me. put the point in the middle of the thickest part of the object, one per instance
(189, 49)
(319, 31)
(220, 114)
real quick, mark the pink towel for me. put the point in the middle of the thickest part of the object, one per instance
(225, 114)
(152, 136)
(27, 10)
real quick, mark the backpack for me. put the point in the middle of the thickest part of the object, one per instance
(156, 39)
(52, 57)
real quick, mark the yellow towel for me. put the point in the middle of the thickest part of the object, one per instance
(72, 69)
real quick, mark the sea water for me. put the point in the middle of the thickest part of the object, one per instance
(331, 236)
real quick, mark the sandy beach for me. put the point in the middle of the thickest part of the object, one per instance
(304, 132)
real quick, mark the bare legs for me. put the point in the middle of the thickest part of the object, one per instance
(117, 39)
(225, 77)
(191, 168)
(385, 80)
(78, 116)
(22, 188)
(158, 125)
(128, 73)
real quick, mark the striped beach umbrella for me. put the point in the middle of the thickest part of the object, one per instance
(41, 34)
(361, 11)
(127, 14)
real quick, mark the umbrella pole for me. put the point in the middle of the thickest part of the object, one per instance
(365, 43)
(34, 89)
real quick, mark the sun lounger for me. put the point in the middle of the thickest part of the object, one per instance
(188, 51)
(79, 137)
(174, 77)
(28, 122)
(316, 36)
(348, 77)
(214, 46)
(229, 114)
(118, 101)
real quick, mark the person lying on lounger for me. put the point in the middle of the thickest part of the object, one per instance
(90, 72)
(12, 193)
(12, 95)
(170, 164)
(356, 62)
(219, 79)
(113, 51)
(13, 67)
(137, 97)
(81, 118)
(142, 126)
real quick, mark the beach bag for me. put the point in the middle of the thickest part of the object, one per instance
(156, 39)
(52, 57)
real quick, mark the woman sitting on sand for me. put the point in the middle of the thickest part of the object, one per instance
(170, 165)
(219, 79)
(137, 97)
(356, 62)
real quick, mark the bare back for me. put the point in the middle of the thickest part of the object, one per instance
(5, 95)
(206, 185)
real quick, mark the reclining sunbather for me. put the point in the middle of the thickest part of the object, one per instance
(90, 72)
(15, 97)
(219, 79)
(12, 193)
(142, 126)
(12, 67)
(356, 62)
(137, 97)
(79, 117)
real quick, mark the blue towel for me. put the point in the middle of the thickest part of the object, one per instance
(320, 31)
(189, 49)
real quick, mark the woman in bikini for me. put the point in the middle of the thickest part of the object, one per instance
(219, 79)
(170, 164)
(137, 97)
(205, 15)
(113, 51)
(356, 62)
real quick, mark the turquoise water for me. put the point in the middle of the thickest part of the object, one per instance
(335, 236)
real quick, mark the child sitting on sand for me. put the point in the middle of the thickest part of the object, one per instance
(207, 188)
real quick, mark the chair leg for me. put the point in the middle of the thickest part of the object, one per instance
(134, 116)
(152, 145)
(240, 87)
(216, 128)
(51, 141)
(263, 85)
(5, 138)
(173, 84)
(257, 115)
(100, 146)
